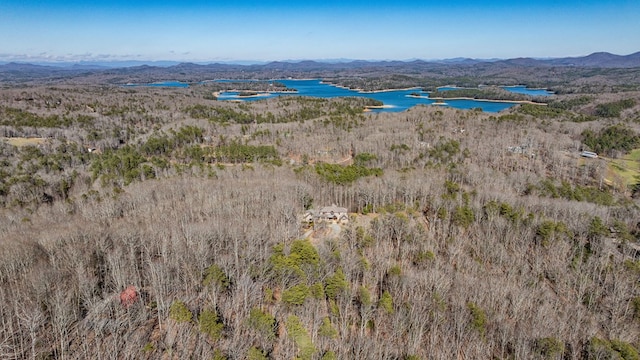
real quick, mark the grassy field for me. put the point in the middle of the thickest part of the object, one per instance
(21, 141)
(626, 168)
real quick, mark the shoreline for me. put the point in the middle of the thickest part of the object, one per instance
(369, 108)
(485, 100)
(388, 90)
(362, 91)
(265, 94)
(217, 94)
(526, 87)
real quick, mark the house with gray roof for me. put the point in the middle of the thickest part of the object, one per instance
(333, 213)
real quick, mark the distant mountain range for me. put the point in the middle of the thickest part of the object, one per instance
(510, 71)
(598, 59)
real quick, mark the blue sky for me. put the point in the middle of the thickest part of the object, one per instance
(210, 31)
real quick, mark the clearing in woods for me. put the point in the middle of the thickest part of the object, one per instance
(22, 141)
(627, 168)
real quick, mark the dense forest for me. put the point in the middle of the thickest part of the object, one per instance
(160, 223)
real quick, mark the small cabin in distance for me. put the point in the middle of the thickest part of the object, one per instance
(589, 154)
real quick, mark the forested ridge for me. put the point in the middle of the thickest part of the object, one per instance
(160, 223)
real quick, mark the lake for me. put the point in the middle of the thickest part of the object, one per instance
(521, 89)
(395, 100)
(518, 89)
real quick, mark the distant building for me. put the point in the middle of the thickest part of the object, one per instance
(522, 149)
(333, 213)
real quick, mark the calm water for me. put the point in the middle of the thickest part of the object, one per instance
(524, 90)
(397, 100)
(519, 89)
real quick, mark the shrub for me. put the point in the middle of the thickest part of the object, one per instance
(256, 354)
(635, 302)
(303, 253)
(209, 324)
(386, 302)
(364, 296)
(622, 231)
(548, 230)
(363, 158)
(336, 284)
(179, 312)
(478, 318)
(395, 270)
(157, 146)
(216, 276)
(327, 330)
(302, 262)
(451, 188)
(362, 238)
(597, 229)
(329, 355)
(317, 290)
(263, 323)
(632, 265)
(299, 335)
(399, 148)
(295, 295)
(626, 350)
(613, 349)
(218, 355)
(422, 258)
(549, 347)
(445, 150)
(463, 216)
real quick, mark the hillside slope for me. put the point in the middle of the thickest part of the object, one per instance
(471, 235)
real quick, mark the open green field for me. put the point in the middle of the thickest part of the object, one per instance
(627, 168)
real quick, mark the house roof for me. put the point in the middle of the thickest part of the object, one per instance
(332, 209)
